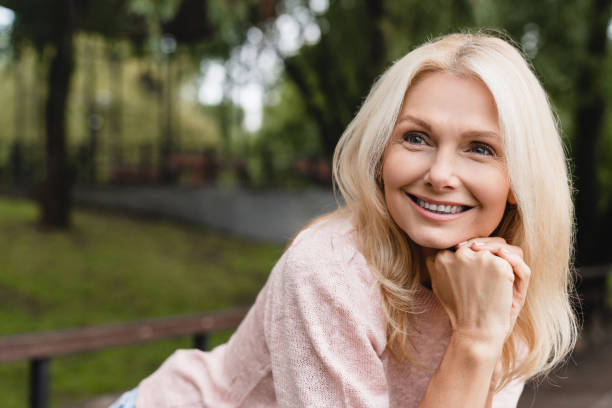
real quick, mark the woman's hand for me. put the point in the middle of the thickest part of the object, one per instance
(514, 256)
(482, 286)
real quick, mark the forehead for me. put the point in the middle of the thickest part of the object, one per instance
(443, 98)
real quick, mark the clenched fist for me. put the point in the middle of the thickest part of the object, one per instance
(482, 286)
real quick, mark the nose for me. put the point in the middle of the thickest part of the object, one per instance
(441, 175)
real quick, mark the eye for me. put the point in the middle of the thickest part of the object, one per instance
(481, 149)
(415, 138)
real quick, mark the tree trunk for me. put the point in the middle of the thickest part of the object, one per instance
(328, 136)
(587, 135)
(116, 109)
(20, 123)
(55, 200)
(92, 118)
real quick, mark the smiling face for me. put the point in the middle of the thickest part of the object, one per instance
(445, 180)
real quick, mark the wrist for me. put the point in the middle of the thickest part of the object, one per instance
(477, 347)
(465, 373)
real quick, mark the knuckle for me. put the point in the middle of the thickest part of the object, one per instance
(527, 272)
(503, 266)
(516, 249)
(464, 253)
(494, 241)
(500, 265)
(482, 255)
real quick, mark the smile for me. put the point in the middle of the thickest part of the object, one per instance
(444, 209)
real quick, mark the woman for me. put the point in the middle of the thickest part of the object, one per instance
(444, 280)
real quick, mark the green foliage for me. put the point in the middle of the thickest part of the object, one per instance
(35, 23)
(553, 37)
(162, 10)
(233, 18)
(173, 41)
(409, 23)
(334, 75)
(138, 99)
(112, 269)
(285, 136)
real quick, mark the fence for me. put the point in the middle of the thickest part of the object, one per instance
(22, 166)
(39, 348)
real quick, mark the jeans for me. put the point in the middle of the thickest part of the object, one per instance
(126, 400)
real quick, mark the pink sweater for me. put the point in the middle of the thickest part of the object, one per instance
(315, 337)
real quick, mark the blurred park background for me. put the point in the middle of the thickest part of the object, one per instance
(155, 155)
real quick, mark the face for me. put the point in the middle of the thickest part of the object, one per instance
(444, 175)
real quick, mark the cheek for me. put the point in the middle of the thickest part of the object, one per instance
(492, 192)
(392, 169)
(401, 167)
(489, 184)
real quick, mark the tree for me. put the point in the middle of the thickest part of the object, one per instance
(334, 75)
(203, 26)
(593, 232)
(56, 187)
(50, 26)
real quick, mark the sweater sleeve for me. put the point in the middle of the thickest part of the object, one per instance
(323, 330)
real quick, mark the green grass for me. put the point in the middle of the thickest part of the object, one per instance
(109, 269)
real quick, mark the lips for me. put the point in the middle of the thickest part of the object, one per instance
(439, 207)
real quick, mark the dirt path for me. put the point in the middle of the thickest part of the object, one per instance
(585, 382)
(269, 215)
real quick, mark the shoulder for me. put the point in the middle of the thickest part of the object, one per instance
(335, 228)
(324, 261)
(323, 281)
(328, 243)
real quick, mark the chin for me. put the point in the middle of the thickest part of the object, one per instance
(436, 243)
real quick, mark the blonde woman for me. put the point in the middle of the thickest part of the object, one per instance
(444, 281)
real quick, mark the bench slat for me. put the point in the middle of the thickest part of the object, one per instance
(56, 343)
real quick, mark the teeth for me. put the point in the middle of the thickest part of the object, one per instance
(439, 208)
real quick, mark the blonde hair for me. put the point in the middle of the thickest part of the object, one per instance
(541, 222)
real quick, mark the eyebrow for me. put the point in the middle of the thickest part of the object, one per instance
(417, 121)
(470, 133)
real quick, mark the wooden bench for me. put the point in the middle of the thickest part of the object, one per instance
(39, 348)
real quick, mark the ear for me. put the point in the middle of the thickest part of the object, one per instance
(511, 198)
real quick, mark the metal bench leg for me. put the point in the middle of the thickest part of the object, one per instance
(39, 383)
(200, 341)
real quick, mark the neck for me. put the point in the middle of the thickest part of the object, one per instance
(423, 254)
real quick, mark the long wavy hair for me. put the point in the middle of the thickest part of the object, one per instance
(541, 222)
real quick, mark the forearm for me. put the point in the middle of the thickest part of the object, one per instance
(493, 384)
(489, 403)
(463, 378)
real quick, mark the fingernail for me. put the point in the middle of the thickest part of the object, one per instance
(505, 251)
(478, 243)
(462, 243)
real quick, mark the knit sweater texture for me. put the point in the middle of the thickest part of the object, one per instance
(315, 337)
